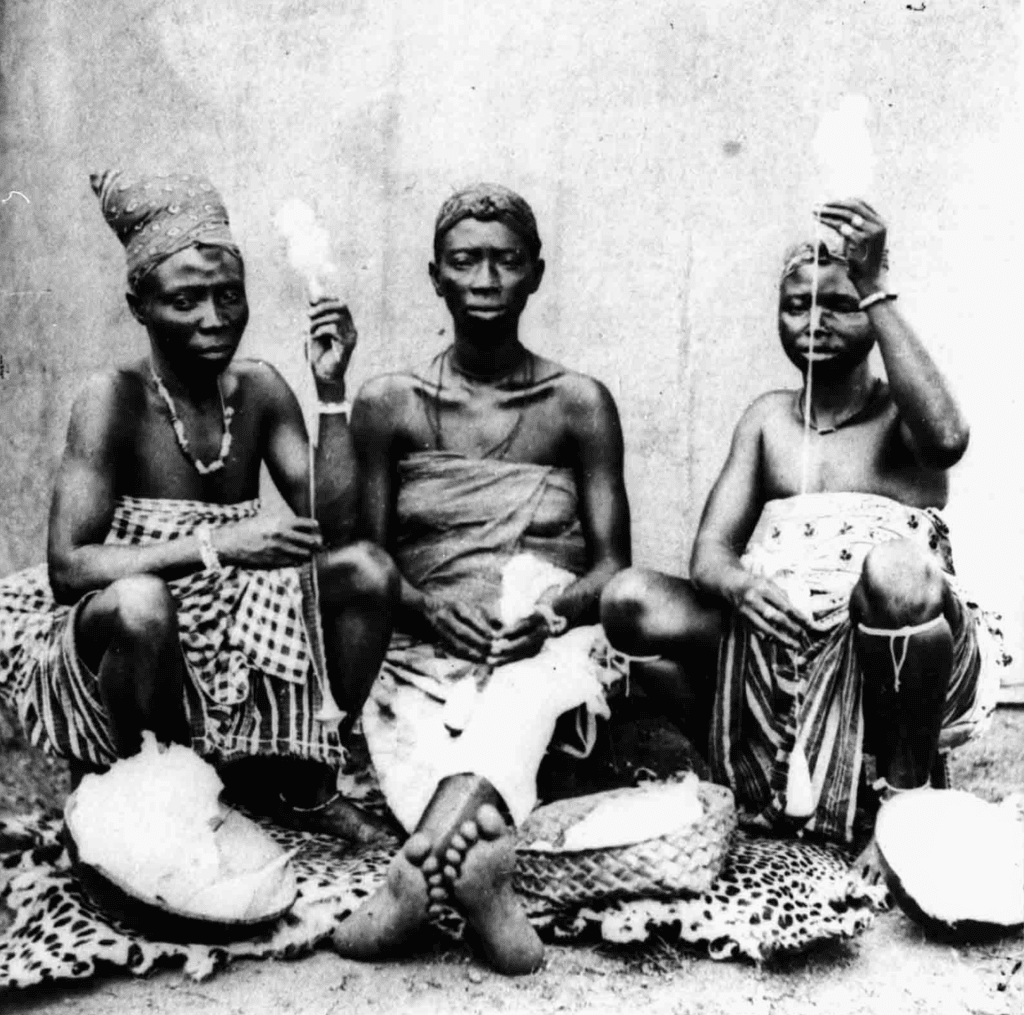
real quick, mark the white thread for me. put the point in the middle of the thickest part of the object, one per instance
(906, 633)
(805, 452)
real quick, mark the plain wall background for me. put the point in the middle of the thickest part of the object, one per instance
(665, 147)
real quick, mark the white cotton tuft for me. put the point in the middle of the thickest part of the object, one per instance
(148, 812)
(309, 245)
(843, 149)
(524, 579)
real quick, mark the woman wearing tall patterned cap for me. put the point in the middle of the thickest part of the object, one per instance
(171, 601)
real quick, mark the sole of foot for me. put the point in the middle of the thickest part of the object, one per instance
(478, 866)
(387, 923)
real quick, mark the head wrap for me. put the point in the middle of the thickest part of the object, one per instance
(489, 202)
(831, 249)
(157, 216)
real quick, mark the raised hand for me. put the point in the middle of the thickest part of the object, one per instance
(332, 341)
(865, 235)
(266, 542)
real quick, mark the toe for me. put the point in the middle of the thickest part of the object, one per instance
(490, 822)
(450, 873)
(430, 866)
(453, 856)
(459, 843)
(437, 878)
(438, 894)
(416, 849)
(468, 831)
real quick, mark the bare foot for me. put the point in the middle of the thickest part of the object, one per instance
(478, 868)
(390, 918)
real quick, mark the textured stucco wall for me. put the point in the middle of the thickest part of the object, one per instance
(665, 147)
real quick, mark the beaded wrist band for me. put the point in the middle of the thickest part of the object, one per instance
(211, 562)
(879, 297)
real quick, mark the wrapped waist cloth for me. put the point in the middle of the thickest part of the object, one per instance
(244, 641)
(498, 535)
(814, 546)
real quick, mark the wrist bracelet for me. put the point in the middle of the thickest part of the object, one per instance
(335, 409)
(879, 297)
(211, 562)
(555, 621)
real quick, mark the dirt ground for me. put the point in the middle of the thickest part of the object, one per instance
(890, 970)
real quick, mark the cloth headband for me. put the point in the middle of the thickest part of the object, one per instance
(489, 202)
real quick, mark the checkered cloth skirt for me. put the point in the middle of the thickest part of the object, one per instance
(250, 686)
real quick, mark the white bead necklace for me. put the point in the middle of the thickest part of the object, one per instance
(179, 428)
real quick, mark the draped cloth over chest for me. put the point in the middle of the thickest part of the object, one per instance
(458, 523)
(244, 642)
(814, 547)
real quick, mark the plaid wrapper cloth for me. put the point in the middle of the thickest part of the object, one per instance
(244, 640)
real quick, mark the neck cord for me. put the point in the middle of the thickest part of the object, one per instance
(226, 412)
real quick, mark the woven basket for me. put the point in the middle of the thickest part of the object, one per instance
(687, 861)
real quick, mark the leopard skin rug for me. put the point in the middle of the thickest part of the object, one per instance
(772, 896)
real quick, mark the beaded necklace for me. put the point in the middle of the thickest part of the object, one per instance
(179, 428)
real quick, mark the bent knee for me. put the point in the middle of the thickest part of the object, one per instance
(624, 602)
(900, 584)
(362, 569)
(142, 607)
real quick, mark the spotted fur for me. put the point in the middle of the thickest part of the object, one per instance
(773, 895)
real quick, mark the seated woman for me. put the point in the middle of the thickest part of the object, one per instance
(822, 566)
(171, 602)
(494, 476)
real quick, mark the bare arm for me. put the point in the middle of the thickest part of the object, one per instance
(596, 448)
(287, 443)
(932, 425)
(84, 498)
(730, 514)
(603, 505)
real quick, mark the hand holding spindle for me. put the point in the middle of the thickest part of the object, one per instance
(332, 340)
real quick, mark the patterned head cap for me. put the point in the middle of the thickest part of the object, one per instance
(156, 216)
(831, 250)
(489, 202)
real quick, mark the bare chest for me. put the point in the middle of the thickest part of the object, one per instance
(867, 457)
(520, 425)
(159, 458)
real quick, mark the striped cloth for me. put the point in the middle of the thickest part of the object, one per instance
(243, 638)
(814, 546)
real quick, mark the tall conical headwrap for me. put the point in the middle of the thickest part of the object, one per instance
(157, 216)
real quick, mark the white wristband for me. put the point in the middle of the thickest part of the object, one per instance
(879, 297)
(335, 409)
(211, 562)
